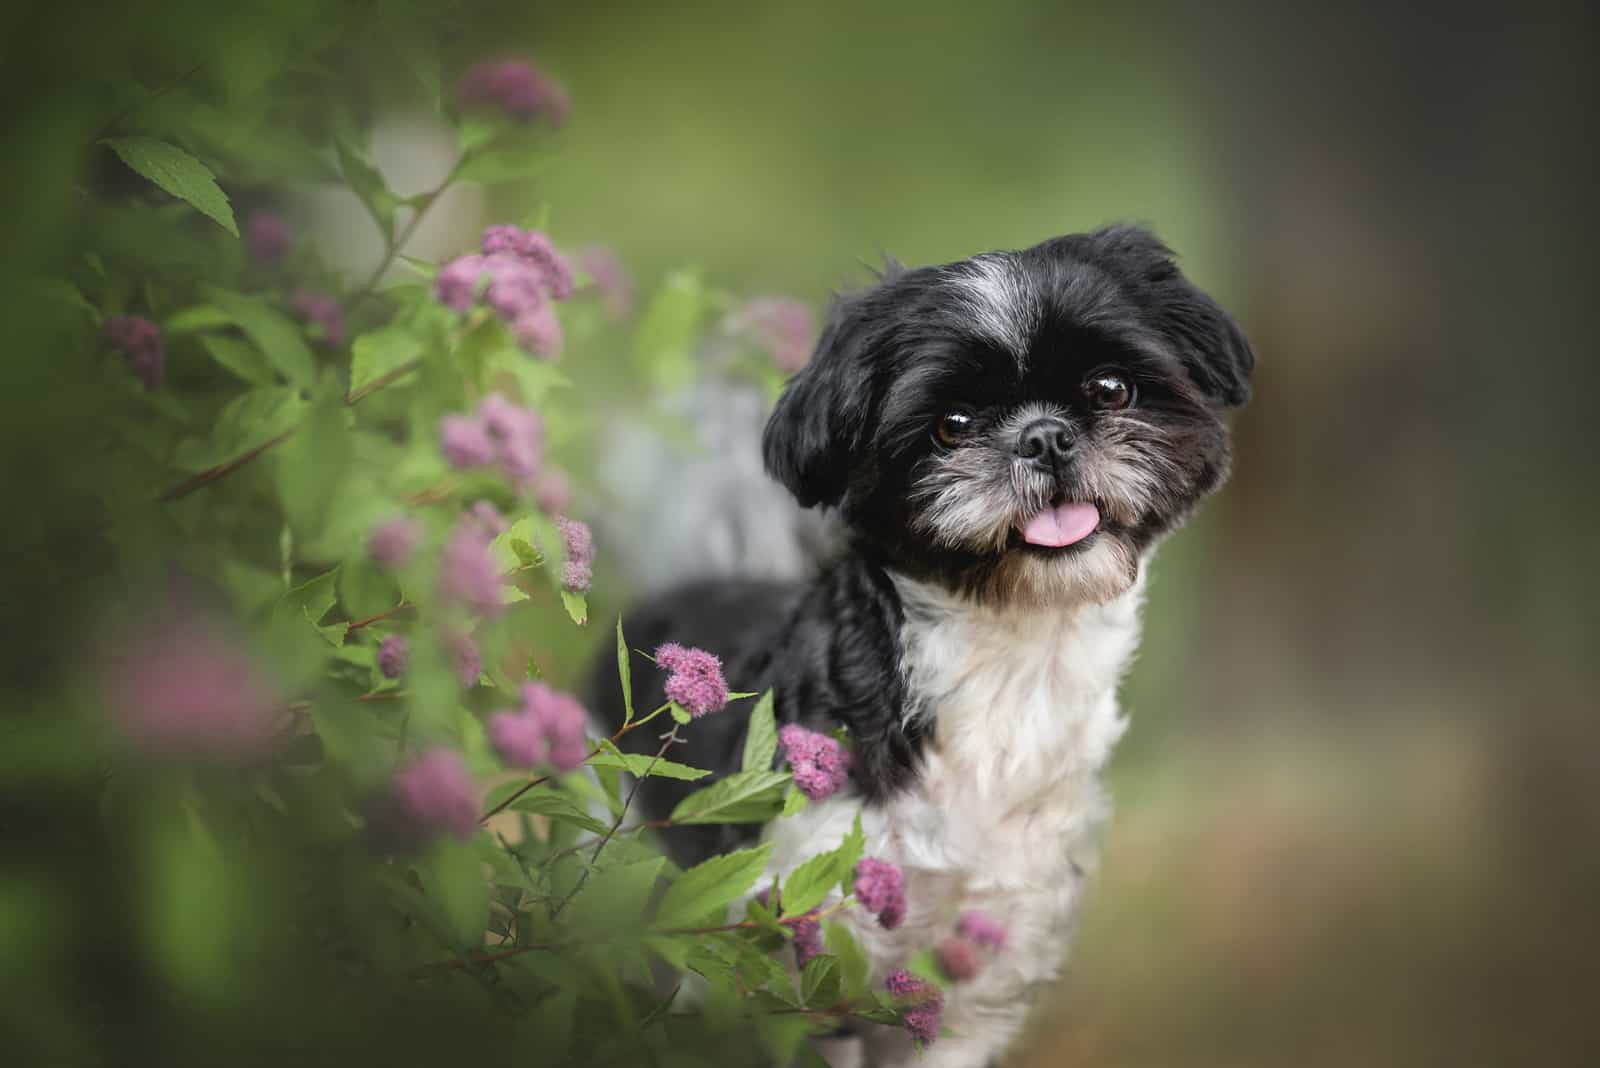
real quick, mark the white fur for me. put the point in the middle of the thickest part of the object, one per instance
(1004, 812)
(1000, 301)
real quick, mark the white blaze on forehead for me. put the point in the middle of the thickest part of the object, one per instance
(997, 294)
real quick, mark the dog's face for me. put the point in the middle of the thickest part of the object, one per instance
(1020, 425)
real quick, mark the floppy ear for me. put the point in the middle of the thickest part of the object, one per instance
(821, 417)
(1211, 345)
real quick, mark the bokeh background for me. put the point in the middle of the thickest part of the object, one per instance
(1359, 805)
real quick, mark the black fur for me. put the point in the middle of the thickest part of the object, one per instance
(853, 431)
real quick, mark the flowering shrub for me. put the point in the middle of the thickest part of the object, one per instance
(342, 584)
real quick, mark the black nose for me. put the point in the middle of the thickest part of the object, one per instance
(1045, 443)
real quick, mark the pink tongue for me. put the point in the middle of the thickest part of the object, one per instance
(1061, 525)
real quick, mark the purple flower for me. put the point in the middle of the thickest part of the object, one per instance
(393, 654)
(181, 689)
(538, 331)
(139, 341)
(391, 543)
(321, 311)
(957, 958)
(881, 889)
(696, 681)
(609, 278)
(579, 573)
(807, 937)
(516, 286)
(518, 738)
(468, 574)
(456, 285)
(982, 928)
(548, 727)
(488, 517)
(465, 442)
(554, 271)
(268, 237)
(502, 237)
(436, 795)
(516, 435)
(464, 657)
(922, 1004)
(821, 765)
(781, 325)
(515, 87)
(551, 491)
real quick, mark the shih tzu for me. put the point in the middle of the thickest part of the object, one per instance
(1002, 442)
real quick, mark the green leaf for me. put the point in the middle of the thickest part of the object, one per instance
(853, 967)
(504, 163)
(313, 597)
(664, 343)
(526, 554)
(276, 336)
(240, 357)
(625, 675)
(178, 173)
(577, 606)
(249, 420)
(367, 184)
(819, 982)
(365, 589)
(452, 879)
(744, 797)
(705, 888)
(382, 352)
(556, 805)
(794, 802)
(761, 736)
(614, 899)
(636, 764)
(309, 468)
(679, 713)
(808, 884)
(196, 318)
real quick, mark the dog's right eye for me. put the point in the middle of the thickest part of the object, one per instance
(952, 427)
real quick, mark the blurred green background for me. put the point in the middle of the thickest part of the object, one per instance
(1357, 811)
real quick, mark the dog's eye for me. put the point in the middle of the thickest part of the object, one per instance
(953, 426)
(1108, 390)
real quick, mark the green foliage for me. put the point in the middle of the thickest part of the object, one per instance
(178, 173)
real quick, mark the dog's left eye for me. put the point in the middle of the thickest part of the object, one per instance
(953, 426)
(1108, 390)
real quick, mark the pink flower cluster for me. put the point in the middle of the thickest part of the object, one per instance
(881, 890)
(524, 274)
(435, 794)
(960, 957)
(464, 657)
(267, 236)
(695, 681)
(806, 928)
(609, 278)
(982, 928)
(394, 652)
(498, 433)
(139, 341)
(578, 575)
(821, 765)
(468, 574)
(515, 87)
(392, 542)
(781, 325)
(546, 728)
(922, 1005)
(321, 311)
(551, 490)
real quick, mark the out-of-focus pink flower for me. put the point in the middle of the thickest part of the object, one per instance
(881, 890)
(322, 311)
(783, 326)
(821, 765)
(180, 688)
(268, 237)
(547, 727)
(468, 574)
(551, 491)
(695, 681)
(394, 652)
(982, 928)
(608, 278)
(488, 517)
(516, 434)
(807, 937)
(515, 87)
(139, 341)
(465, 442)
(456, 285)
(538, 331)
(957, 958)
(922, 1005)
(578, 575)
(392, 542)
(463, 657)
(435, 794)
(518, 738)
(516, 286)
(504, 244)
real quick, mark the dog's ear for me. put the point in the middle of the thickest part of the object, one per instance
(1211, 345)
(821, 418)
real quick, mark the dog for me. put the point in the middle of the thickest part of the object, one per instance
(1001, 442)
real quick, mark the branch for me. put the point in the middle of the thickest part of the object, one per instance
(222, 470)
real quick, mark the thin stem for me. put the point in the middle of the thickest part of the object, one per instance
(222, 470)
(358, 624)
(624, 729)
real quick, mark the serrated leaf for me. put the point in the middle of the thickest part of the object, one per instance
(761, 736)
(679, 713)
(313, 597)
(637, 764)
(249, 420)
(382, 352)
(812, 881)
(710, 886)
(744, 797)
(820, 981)
(614, 898)
(176, 172)
(556, 805)
(853, 967)
(526, 553)
(240, 357)
(367, 184)
(794, 801)
(453, 881)
(309, 469)
(274, 334)
(577, 606)
(625, 675)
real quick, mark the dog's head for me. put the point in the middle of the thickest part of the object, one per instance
(1020, 424)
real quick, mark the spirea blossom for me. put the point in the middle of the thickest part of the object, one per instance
(784, 327)
(881, 890)
(435, 794)
(180, 688)
(456, 285)
(821, 765)
(551, 490)
(982, 928)
(468, 574)
(464, 657)
(465, 442)
(139, 341)
(515, 87)
(518, 274)
(393, 654)
(488, 518)
(922, 1004)
(392, 542)
(516, 435)
(538, 331)
(322, 311)
(268, 237)
(578, 575)
(807, 937)
(609, 278)
(548, 727)
(957, 958)
(695, 681)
